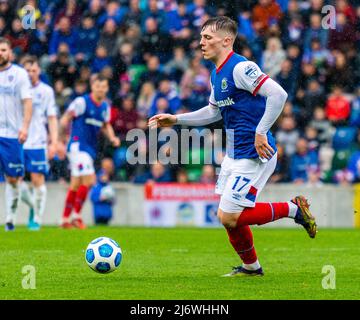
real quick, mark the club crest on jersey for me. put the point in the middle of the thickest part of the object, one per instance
(251, 71)
(224, 84)
(11, 78)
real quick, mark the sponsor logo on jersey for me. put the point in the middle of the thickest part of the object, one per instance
(15, 165)
(251, 71)
(94, 122)
(227, 102)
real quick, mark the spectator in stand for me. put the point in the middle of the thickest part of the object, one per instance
(354, 167)
(95, 10)
(304, 165)
(340, 74)
(200, 94)
(188, 78)
(294, 31)
(265, 14)
(208, 174)
(63, 33)
(7, 13)
(314, 95)
(176, 66)
(287, 78)
(88, 36)
(145, 99)
(154, 41)
(63, 68)
(318, 56)
(153, 73)
(101, 59)
(322, 125)
(59, 164)
(124, 118)
(80, 88)
(157, 173)
(18, 37)
(108, 36)
(274, 56)
(72, 11)
(123, 59)
(294, 55)
(168, 91)
(182, 176)
(312, 137)
(161, 106)
(62, 95)
(281, 173)
(3, 28)
(113, 11)
(288, 135)
(315, 31)
(39, 39)
(343, 37)
(134, 14)
(102, 197)
(155, 13)
(337, 107)
(355, 109)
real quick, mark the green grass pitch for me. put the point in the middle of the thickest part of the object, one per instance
(179, 263)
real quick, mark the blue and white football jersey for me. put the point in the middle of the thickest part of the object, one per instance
(43, 107)
(89, 117)
(234, 91)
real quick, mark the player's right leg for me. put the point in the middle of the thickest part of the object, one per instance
(82, 178)
(12, 161)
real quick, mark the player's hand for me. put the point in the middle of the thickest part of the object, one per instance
(262, 147)
(162, 120)
(23, 134)
(52, 150)
(115, 141)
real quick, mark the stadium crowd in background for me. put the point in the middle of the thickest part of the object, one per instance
(149, 51)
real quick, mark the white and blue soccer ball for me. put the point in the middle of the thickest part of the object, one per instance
(103, 255)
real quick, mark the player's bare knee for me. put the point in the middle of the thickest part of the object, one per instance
(12, 180)
(229, 220)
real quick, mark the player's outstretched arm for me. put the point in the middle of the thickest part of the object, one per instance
(162, 120)
(201, 117)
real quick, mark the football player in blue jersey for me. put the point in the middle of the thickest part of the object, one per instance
(88, 115)
(249, 102)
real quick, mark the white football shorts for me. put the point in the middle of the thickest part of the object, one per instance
(241, 180)
(81, 163)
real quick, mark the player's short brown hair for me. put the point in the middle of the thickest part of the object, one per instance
(5, 40)
(222, 23)
(99, 77)
(31, 60)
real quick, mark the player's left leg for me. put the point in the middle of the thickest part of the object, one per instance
(87, 181)
(40, 193)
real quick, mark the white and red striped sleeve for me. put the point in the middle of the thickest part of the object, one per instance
(77, 107)
(248, 76)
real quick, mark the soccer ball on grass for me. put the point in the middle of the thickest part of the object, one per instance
(103, 255)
